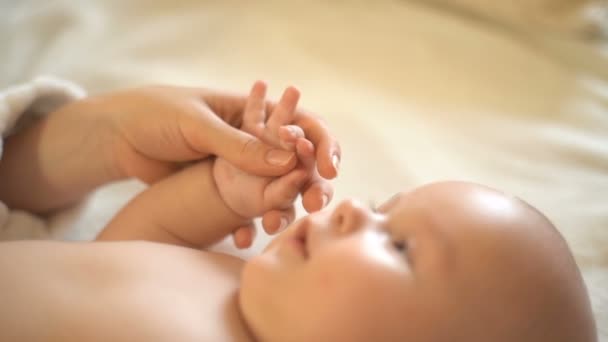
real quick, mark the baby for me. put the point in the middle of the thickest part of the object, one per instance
(448, 261)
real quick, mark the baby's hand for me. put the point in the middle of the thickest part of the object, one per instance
(252, 196)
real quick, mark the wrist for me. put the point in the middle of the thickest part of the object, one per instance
(183, 209)
(98, 137)
(108, 144)
(63, 156)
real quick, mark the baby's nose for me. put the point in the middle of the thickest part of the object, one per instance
(350, 216)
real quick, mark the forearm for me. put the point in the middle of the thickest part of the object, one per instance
(55, 161)
(184, 209)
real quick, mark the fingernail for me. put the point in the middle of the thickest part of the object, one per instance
(325, 200)
(336, 161)
(278, 157)
(292, 131)
(283, 224)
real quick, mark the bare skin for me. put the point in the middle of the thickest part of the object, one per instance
(445, 262)
(119, 291)
(149, 133)
(75, 292)
(448, 261)
(200, 204)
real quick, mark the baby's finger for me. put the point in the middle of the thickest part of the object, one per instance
(289, 135)
(243, 236)
(282, 192)
(275, 221)
(317, 195)
(283, 112)
(254, 114)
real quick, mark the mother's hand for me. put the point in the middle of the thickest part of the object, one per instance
(158, 129)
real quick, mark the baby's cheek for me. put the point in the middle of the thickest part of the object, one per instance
(349, 299)
(339, 277)
(352, 274)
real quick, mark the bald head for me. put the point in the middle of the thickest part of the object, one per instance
(512, 273)
(449, 261)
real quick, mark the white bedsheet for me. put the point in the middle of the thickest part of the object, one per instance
(415, 94)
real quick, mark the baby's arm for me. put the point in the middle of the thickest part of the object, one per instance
(184, 209)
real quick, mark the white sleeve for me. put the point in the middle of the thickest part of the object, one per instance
(19, 106)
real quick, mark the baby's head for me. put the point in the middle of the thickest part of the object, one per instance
(446, 262)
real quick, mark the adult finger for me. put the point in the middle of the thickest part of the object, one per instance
(319, 192)
(328, 149)
(231, 106)
(243, 237)
(329, 153)
(247, 152)
(317, 195)
(275, 221)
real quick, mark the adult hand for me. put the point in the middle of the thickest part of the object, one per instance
(157, 129)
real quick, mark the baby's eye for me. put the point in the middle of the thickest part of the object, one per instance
(400, 245)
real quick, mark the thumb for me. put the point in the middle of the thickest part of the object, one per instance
(242, 149)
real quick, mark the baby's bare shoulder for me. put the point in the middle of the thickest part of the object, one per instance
(192, 292)
(121, 291)
(172, 293)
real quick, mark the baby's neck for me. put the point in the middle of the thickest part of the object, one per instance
(243, 326)
(227, 270)
(236, 323)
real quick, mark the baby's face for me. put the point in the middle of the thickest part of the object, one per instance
(419, 268)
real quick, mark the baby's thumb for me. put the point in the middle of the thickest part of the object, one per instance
(250, 154)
